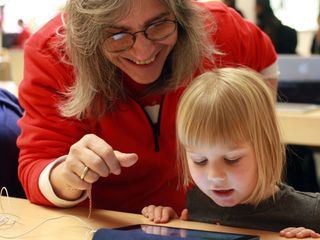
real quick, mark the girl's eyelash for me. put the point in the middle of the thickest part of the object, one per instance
(202, 162)
(232, 161)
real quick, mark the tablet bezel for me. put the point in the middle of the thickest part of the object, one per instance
(241, 236)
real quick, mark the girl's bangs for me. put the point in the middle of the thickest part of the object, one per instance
(212, 124)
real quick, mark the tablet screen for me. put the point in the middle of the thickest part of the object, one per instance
(151, 232)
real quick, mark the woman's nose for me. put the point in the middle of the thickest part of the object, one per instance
(143, 48)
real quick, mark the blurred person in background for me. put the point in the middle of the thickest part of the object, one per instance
(315, 46)
(284, 38)
(16, 39)
(23, 35)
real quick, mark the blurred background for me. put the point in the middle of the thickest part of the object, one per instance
(18, 20)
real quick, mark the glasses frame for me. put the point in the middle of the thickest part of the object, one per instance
(145, 33)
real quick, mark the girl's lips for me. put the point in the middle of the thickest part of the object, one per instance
(223, 193)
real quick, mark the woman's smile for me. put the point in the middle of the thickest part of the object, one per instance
(144, 62)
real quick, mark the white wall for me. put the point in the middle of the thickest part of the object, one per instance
(247, 7)
(33, 12)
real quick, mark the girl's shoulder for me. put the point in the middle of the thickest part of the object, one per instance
(306, 203)
(290, 192)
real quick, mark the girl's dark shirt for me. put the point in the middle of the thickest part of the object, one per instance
(289, 208)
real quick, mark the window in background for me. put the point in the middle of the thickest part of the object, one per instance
(301, 15)
(34, 13)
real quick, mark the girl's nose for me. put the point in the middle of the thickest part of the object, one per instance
(216, 172)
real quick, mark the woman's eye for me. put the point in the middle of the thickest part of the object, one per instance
(118, 36)
(201, 162)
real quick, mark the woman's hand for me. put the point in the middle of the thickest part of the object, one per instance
(160, 214)
(298, 232)
(89, 159)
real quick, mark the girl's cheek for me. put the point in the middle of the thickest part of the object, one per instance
(197, 174)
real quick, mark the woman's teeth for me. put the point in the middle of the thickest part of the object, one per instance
(148, 61)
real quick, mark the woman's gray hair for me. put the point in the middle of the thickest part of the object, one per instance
(97, 79)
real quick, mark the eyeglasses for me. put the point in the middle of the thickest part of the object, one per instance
(123, 41)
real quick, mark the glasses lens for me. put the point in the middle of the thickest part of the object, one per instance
(160, 30)
(119, 42)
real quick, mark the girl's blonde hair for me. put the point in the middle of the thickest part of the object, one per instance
(98, 84)
(232, 105)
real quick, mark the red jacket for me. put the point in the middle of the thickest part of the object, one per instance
(153, 179)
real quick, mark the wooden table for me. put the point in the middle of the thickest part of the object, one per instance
(301, 128)
(5, 71)
(69, 228)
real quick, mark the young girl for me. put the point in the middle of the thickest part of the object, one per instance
(230, 145)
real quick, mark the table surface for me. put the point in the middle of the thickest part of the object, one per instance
(302, 128)
(73, 223)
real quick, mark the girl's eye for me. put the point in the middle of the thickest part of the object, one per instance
(201, 162)
(232, 160)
